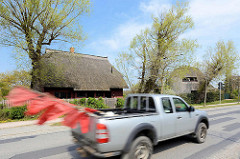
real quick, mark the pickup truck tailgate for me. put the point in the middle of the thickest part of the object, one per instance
(89, 137)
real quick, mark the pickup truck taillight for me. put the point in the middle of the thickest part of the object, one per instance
(102, 135)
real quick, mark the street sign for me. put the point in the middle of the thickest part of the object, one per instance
(220, 85)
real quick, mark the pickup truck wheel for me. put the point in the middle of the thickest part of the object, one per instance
(201, 133)
(141, 148)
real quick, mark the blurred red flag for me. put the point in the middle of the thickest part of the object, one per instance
(50, 107)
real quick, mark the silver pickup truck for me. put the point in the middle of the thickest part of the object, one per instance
(145, 120)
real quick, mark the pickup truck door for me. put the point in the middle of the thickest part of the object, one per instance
(184, 118)
(168, 117)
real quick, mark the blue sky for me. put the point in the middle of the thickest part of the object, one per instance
(113, 23)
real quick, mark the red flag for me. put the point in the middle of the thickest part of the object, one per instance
(20, 95)
(50, 107)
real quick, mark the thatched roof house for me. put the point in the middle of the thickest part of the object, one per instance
(72, 75)
(186, 79)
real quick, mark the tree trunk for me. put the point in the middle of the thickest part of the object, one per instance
(143, 70)
(205, 94)
(36, 83)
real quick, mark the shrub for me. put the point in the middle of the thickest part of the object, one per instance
(193, 98)
(83, 101)
(75, 102)
(120, 103)
(1, 106)
(97, 104)
(91, 102)
(4, 114)
(100, 104)
(17, 112)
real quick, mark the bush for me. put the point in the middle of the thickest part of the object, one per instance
(1, 106)
(193, 98)
(17, 112)
(120, 103)
(83, 101)
(91, 102)
(75, 102)
(4, 114)
(97, 104)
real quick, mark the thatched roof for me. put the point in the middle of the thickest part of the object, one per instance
(187, 71)
(81, 72)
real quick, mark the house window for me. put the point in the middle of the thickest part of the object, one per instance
(69, 95)
(90, 94)
(99, 94)
(81, 94)
(62, 95)
(190, 79)
(57, 94)
(107, 94)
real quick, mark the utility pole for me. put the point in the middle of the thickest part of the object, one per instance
(220, 87)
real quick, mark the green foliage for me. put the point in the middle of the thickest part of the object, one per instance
(4, 114)
(17, 112)
(11, 79)
(1, 106)
(83, 101)
(120, 103)
(91, 102)
(158, 50)
(75, 102)
(193, 98)
(220, 60)
(97, 104)
(31, 24)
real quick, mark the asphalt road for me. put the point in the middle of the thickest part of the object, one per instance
(55, 142)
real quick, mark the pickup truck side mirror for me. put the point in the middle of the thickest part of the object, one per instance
(191, 109)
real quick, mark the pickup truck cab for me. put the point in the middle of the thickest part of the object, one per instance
(145, 120)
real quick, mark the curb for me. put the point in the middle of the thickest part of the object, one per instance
(26, 123)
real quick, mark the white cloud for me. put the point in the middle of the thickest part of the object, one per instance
(155, 7)
(120, 38)
(215, 19)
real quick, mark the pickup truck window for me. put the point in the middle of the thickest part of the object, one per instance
(151, 104)
(180, 105)
(167, 106)
(143, 104)
(134, 103)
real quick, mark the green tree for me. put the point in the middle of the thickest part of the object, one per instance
(155, 52)
(232, 58)
(216, 64)
(14, 78)
(31, 24)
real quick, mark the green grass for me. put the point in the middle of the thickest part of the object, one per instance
(217, 102)
(216, 106)
(23, 119)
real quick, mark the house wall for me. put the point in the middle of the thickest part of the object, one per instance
(180, 87)
(69, 93)
(117, 93)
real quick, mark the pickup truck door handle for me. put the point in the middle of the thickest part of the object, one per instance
(197, 114)
(179, 117)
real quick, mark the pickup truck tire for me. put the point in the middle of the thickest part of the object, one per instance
(201, 133)
(141, 148)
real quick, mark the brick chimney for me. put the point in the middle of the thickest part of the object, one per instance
(71, 49)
